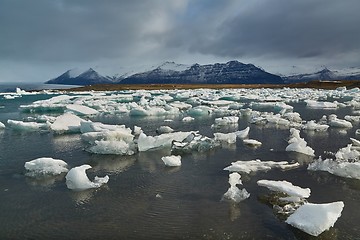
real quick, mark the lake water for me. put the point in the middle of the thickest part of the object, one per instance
(146, 200)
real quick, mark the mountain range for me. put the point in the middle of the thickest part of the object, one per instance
(232, 72)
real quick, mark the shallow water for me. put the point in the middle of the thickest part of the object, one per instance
(146, 200)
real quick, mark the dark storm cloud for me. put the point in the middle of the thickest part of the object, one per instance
(279, 28)
(45, 35)
(72, 30)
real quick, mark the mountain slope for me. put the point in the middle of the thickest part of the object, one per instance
(88, 77)
(232, 72)
(324, 74)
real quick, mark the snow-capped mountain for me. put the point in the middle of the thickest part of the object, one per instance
(232, 72)
(74, 77)
(325, 74)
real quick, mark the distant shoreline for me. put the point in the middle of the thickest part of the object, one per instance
(313, 84)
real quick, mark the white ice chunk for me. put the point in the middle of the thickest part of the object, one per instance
(342, 169)
(2, 125)
(81, 109)
(164, 140)
(188, 119)
(164, 129)
(119, 147)
(45, 166)
(76, 179)
(226, 120)
(313, 126)
(298, 144)
(234, 193)
(243, 133)
(225, 137)
(252, 142)
(67, 122)
(258, 165)
(321, 105)
(339, 123)
(27, 126)
(316, 218)
(172, 161)
(285, 187)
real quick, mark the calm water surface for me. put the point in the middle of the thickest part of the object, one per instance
(145, 200)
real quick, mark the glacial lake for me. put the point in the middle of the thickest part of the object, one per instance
(144, 199)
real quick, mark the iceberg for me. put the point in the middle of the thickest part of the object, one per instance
(172, 161)
(252, 142)
(188, 119)
(285, 187)
(298, 144)
(258, 165)
(118, 147)
(339, 123)
(316, 218)
(45, 166)
(77, 180)
(225, 137)
(313, 126)
(164, 129)
(89, 126)
(2, 125)
(67, 122)
(243, 133)
(146, 143)
(27, 126)
(226, 120)
(81, 110)
(321, 105)
(234, 193)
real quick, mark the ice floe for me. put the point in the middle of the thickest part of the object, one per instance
(252, 142)
(314, 219)
(27, 126)
(81, 109)
(298, 144)
(146, 143)
(77, 179)
(234, 193)
(45, 166)
(172, 161)
(285, 187)
(67, 122)
(258, 165)
(2, 125)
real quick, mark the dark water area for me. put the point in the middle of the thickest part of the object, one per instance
(146, 200)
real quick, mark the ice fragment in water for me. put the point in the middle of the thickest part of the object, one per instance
(316, 218)
(45, 166)
(76, 179)
(172, 161)
(298, 144)
(285, 187)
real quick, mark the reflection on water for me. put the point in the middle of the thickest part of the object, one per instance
(44, 182)
(112, 163)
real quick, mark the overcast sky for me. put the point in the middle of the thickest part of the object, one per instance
(40, 39)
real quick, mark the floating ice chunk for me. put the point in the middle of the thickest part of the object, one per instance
(164, 129)
(27, 126)
(172, 161)
(194, 142)
(292, 116)
(321, 105)
(285, 187)
(258, 165)
(243, 133)
(339, 123)
(164, 140)
(67, 122)
(277, 120)
(226, 120)
(116, 135)
(88, 126)
(76, 179)
(342, 169)
(188, 119)
(347, 154)
(225, 137)
(251, 142)
(355, 142)
(82, 110)
(137, 130)
(234, 193)
(354, 119)
(180, 105)
(313, 126)
(119, 147)
(200, 111)
(10, 97)
(45, 166)
(297, 144)
(316, 218)
(2, 125)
